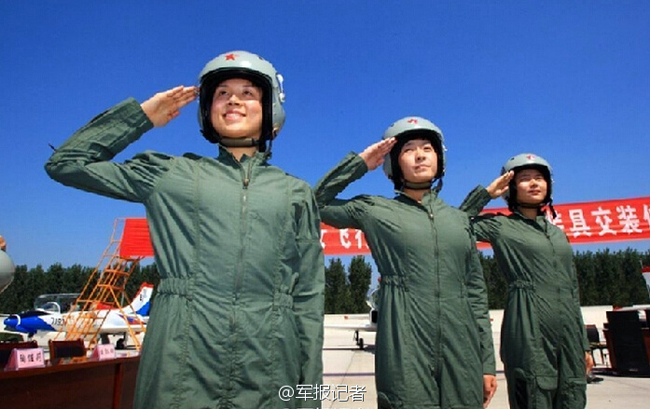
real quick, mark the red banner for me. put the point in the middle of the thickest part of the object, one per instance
(343, 242)
(604, 221)
(587, 222)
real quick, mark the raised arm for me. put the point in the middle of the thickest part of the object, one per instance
(84, 160)
(478, 198)
(347, 213)
(487, 226)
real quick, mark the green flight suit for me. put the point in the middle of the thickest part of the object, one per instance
(239, 310)
(434, 340)
(543, 338)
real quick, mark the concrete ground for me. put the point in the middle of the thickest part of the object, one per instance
(352, 368)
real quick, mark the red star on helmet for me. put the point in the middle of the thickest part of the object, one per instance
(230, 57)
(530, 157)
(412, 121)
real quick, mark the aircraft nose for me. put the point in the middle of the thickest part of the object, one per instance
(12, 321)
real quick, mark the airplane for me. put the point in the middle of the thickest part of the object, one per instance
(370, 326)
(49, 318)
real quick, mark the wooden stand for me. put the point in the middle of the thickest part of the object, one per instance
(108, 384)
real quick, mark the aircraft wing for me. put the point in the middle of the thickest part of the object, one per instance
(365, 327)
(109, 329)
(117, 322)
(362, 326)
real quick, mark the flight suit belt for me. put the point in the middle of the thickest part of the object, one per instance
(182, 287)
(394, 280)
(282, 300)
(403, 283)
(540, 289)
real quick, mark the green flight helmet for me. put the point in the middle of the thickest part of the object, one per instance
(404, 130)
(7, 270)
(242, 64)
(527, 161)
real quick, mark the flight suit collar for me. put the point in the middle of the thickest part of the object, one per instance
(224, 154)
(540, 220)
(427, 199)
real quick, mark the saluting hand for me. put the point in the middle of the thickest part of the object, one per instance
(374, 154)
(500, 185)
(166, 105)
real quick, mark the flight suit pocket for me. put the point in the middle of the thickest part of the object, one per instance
(574, 393)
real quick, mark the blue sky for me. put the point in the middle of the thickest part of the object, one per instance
(567, 80)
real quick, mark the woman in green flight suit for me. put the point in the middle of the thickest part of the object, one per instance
(434, 342)
(239, 309)
(544, 346)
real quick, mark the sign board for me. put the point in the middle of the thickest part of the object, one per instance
(22, 358)
(103, 352)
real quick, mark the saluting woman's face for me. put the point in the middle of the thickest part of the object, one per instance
(418, 161)
(531, 186)
(236, 110)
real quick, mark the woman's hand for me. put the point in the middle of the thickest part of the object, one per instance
(374, 154)
(500, 185)
(489, 388)
(589, 362)
(165, 106)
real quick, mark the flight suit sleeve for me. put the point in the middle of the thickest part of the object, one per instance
(336, 212)
(308, 292)
(84, 160)
(486, 227)
(478, 298)
(475, 201)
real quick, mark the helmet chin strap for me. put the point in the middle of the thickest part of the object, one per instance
(260, 143)
(539, 207)
(417, 186)
(531, 206)
(239, 142)
(422, 185)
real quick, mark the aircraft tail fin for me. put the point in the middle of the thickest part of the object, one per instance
(646, 274)
(142, 300)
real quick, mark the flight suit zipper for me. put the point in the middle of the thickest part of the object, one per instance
(435, 363)
(558, 302)
(246, 174)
